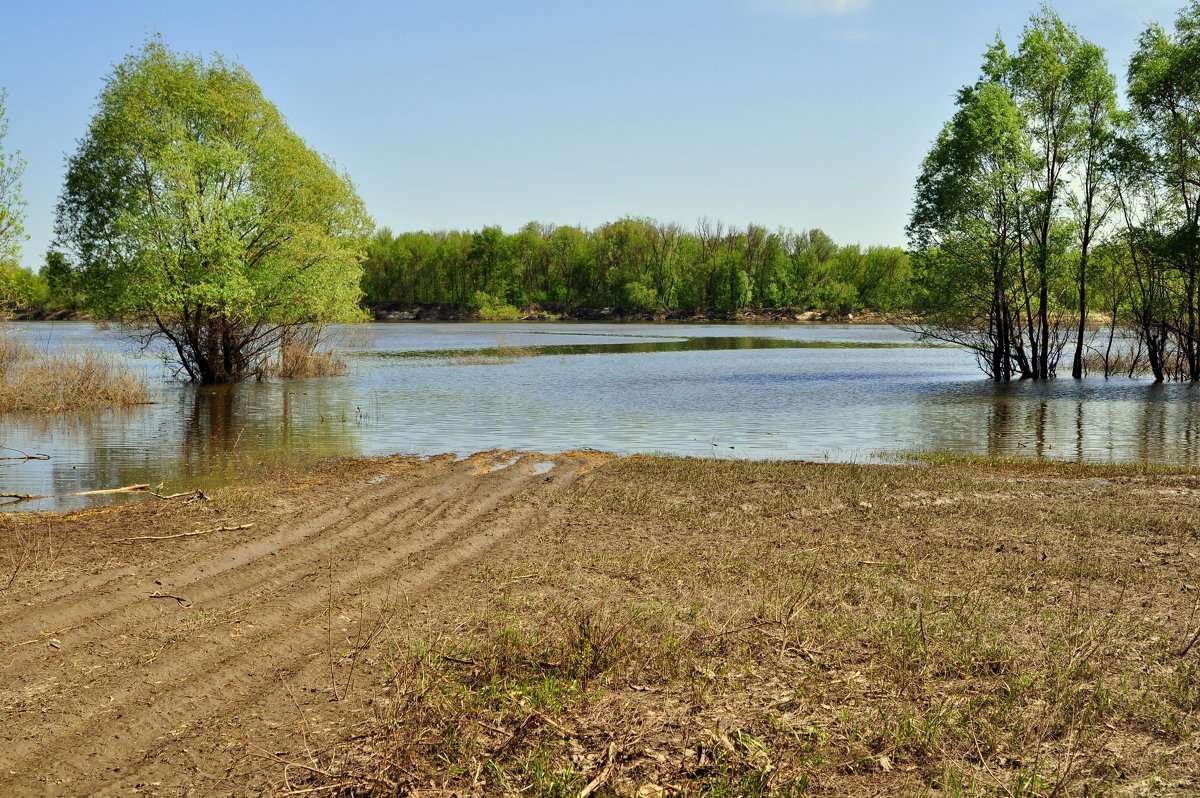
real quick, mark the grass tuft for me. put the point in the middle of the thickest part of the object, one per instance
(300, 356)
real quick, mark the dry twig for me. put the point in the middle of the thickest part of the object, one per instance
(185, 534)
(126, 489)
(604, 775)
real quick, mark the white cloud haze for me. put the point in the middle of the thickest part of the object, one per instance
(816, 8)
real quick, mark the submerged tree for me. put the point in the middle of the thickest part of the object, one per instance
(1164, 87)
(966, 232)
(1012, 181)
(198, 217)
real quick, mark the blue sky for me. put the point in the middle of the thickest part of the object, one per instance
(461, 113)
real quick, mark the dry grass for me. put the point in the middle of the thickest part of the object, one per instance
(33, 381)
(12, 349)
(680, 627)
(1117, 364)
(300, 356)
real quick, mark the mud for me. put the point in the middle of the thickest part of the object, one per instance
(180, 665)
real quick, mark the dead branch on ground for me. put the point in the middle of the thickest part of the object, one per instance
(185, 534)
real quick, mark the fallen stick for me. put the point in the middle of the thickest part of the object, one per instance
(185, 534)
(199, 494)
(22, 497)
(24, 455)
(180, 599)
(449, 658)
(546, 720)
(126, 489)
(1183, 651)
(601, 777)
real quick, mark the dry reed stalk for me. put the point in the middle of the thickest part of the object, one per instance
(42, 383)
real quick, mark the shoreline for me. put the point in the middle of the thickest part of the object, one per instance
(663, 625)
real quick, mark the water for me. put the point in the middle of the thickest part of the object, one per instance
(822, 392)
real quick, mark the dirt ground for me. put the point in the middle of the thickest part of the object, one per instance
(551, 625)
(180, 665)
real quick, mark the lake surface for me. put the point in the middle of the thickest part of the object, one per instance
(861, 393)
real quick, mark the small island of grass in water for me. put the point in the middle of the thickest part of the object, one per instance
(32, 380)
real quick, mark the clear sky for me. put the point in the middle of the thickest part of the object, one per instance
(462, 113)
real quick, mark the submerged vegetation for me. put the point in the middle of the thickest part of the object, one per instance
(35, 381)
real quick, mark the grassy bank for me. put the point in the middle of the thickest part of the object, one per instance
(678, 627)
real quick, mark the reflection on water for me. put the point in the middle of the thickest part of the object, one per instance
(696, 344)
(1087, 421)
(820, 393)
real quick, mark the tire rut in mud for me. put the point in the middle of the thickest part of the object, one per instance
(136, 682)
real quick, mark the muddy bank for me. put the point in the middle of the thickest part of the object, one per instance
(652, 626)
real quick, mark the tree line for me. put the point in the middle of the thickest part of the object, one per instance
(635, 264)
(1043, 202)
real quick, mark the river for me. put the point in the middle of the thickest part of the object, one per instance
(860, 393)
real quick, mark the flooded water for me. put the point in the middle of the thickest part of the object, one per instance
(815, 392)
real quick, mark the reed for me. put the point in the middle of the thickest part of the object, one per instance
(35, 381)
(301, 356)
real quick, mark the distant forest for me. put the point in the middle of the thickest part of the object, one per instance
(636, 265)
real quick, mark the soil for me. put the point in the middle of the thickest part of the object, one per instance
(179, 666)
(782, 626)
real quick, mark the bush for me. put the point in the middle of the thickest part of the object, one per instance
(493, 308)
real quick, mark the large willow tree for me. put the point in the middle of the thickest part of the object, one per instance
(200, 219)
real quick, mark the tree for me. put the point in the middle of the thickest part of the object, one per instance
(200, 219)
(1164, 88)
(966, 232)
(62, 281)
(12, 215)
(1013, 182)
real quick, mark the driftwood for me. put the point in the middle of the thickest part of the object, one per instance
(24, 455)
(604, 775)
(126, 489)
(185, 534)
(22, 497)
(195, 494)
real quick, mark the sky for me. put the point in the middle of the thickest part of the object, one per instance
(455, 114)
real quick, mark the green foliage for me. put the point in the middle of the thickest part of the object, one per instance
(634, 265)
(12, 218)
(62, 281)
(493, 308)
(1160, 168)
(197, 216)
(1009, 202)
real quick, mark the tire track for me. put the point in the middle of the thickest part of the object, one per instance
(120, 721)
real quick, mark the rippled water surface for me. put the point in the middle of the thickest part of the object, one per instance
(814, 392)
